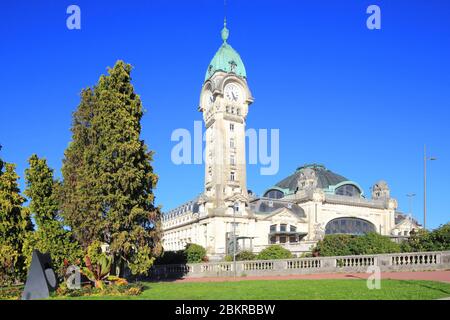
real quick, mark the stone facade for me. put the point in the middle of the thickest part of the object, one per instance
(296, 212)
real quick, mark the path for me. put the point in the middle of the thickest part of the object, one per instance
(443, 276)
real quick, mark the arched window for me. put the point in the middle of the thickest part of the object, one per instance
(274, 194)
(354, 226)
(348, 190)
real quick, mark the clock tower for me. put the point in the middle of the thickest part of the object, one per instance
(224, 102)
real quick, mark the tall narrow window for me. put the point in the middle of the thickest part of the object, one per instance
(231, 127)
(232, 177)
(232, 160)
(231, 143)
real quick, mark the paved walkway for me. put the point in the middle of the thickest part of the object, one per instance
(443, 276)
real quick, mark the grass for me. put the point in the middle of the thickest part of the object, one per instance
(342, 289)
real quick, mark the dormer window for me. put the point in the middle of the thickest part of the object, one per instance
(233, 66)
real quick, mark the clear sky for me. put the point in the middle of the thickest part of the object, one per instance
(362, 102)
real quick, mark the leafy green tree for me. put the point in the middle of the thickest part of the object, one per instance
(274, 252)
(424, 240)
(108, 177)
(50, 236)
(15, 223)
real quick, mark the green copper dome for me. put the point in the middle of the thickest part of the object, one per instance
(226, 59)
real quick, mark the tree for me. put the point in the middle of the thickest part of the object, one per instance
(423, 240)
(50, 236)
(108, 177)
(15, 223)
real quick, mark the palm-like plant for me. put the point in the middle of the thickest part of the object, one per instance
(99, 271)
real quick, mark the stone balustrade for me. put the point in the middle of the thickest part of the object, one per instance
(418, 261)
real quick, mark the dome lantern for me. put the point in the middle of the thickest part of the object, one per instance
(226, 58)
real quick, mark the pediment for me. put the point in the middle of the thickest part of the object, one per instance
(283, 213)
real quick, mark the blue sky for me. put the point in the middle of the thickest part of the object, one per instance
(362, 102)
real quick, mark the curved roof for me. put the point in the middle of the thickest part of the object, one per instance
(226, 59)
(325, 178)
(267, 206)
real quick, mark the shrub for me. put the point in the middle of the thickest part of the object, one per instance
(11, 293)
(274, 252)
(245, 256)
(172, 257)
(194, 253)
(344, 244)
(111, 289)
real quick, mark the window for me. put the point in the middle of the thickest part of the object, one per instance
(293, 239)
(282, 239)
(231, 143)
(232, 176)
(238, 111)
(231, 127)
(232, 160)
(283, 227)
(274, 194)
(293, 228)
(405, 233)
(354, 226)
(348, 190)
(273, 228)
(273, 240)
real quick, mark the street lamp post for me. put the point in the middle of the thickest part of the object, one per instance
(410, 196)
(425, 159)
(235, 207)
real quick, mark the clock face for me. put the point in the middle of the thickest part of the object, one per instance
(233, 92)
(208, 99)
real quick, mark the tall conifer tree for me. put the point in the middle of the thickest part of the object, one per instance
(50, 236)
(15, 223)
(108, 176)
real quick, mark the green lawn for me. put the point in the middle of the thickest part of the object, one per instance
(351, 289)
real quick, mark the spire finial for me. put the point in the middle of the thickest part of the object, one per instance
(225, 32)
